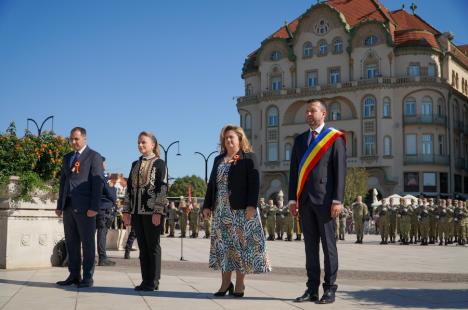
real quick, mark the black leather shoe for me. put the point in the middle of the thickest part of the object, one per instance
(239, 294)
(230, 289)
(127, 254)
(309, 295)
(146, 288)
(328, 294)
(86, 283)
(69, 281)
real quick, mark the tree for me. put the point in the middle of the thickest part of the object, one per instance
(356, 184)
(181, 185)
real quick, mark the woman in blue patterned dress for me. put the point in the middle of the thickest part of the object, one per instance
(237, 240)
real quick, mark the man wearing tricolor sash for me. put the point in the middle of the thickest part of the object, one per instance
(316, 191)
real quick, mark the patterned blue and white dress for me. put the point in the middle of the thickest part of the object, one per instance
(237, 244)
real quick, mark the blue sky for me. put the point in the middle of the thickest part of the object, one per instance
(119, 67)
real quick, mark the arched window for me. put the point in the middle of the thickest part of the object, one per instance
(387, 107)
(440, 107)
(371, 66)
(323, 48)
(272, 133)
(248, 90)
(248, 126)
(275, 56)
(335, 111)
(337, 46)
(426, 106)
(370, 40)
(410, 106)
(369, 107)
(387, 146)
(287, 151)
(307, 49)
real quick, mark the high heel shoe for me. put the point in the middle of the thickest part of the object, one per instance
(230, 289)
(239, 294)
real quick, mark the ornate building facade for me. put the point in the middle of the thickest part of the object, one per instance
(397, 86)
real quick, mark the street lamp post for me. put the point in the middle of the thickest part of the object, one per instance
(206, 163)
(166, 150)
(39, 129)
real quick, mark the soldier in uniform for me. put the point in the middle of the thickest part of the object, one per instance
(262, 207)
(206, 226)
(288, 223)
(460, 214)
(194, 218)
(451, 222)
(271, 220)
(392, 222)
(424, 222)
(414, 232)
(172, 218)
(404, 214)
(342, 223)
(465, 223)
(382, 212)
(360, 213)
(279, 220)
(297, 228)
(432, 221)
(183, 216)
(442, 218)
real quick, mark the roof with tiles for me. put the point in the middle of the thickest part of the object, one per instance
(410, 29)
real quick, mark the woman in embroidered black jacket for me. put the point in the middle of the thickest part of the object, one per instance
(146, 208)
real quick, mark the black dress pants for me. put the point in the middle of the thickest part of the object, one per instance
(79, 233)
(148, 238)
(318, 225)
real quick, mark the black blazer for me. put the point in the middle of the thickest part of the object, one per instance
(243, 182)
(84, 188)
(326, 182)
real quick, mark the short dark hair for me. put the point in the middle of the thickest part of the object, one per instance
(80, 129)
(322, 105)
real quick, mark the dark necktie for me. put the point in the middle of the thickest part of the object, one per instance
(312, 136)
(75, 157)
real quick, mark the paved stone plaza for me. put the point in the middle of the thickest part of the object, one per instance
(371, 277)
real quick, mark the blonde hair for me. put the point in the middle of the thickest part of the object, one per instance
(243, 141)
(150, 135)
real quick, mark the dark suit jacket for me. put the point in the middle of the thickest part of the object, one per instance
(83, 188)
(243, 183)
(326, 182)
(109, 195)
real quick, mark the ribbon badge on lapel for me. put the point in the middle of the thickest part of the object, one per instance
(76, 167)
(234, 159)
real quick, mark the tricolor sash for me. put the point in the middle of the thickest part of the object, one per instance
(313, 154)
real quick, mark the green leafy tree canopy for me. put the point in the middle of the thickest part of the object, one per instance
(181, 185)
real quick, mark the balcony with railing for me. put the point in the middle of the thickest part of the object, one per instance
(338, 87)
(418, 119)
(426, 159)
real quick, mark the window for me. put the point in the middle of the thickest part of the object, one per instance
(426, 106)
(370, 40)
(338, 46)
(312, 78)
(335, 112)
(440, 107)
(272, 151)
(369, 145)
(387, 108)
(387, 146)
(307, 49)
(441, 145)
(248, 126)
(458, 183)
(410, 143)
(410, 106)
(371, 71)
(248, 90)
(275, 56)
(273, 117)
(369, 107)
(443, 180)
(414, 70)
(321, 27)
(427, 144)
(335, 76)
(323, 48)
(411, 182)
(429, 182)
(276, 83)
(431, 70)
(287, 151)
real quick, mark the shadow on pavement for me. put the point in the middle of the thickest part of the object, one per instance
(410, 298)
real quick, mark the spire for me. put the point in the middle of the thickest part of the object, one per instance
(413, 7)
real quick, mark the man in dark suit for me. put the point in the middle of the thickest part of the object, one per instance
(320, 202)
(105, 215)
(79, 201)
